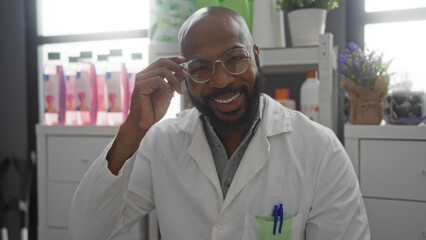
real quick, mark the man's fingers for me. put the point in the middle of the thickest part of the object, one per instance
(172, 63)
(164, 72)
(150, 85)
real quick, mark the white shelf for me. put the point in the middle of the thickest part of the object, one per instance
(385, 131)
(283, 60)
(76, 130)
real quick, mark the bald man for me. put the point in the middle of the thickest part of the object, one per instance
(226, 169)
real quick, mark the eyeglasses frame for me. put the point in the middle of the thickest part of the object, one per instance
(248, 48)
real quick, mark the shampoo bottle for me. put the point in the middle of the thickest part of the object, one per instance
(70, 71)
(100, 66)
(282, 95)
(54, 90)
(117, 88)
(86, 90)
(135, 65)
(309, 96)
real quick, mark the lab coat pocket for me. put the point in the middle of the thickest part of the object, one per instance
(261, 228)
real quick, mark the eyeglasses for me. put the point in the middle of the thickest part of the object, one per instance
(235, 61)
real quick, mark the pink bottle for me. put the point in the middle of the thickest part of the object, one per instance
(86, 90)
(54, 90)
(117, 88)
(70, 71)
(135, 65)
(100, 66)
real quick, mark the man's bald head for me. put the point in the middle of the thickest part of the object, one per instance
(210, 16)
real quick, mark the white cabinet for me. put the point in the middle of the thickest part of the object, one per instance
(64, 155)
(390, 162)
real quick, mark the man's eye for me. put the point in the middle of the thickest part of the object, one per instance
(198, 69)
(237, 58)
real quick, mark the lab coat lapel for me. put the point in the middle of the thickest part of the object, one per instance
(200, 151)
(255, 158)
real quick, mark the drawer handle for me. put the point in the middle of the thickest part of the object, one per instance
(85, 160)
(424, 173)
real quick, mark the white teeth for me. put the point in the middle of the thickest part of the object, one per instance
(227, 100)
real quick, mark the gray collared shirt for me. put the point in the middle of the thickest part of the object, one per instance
(226, 168)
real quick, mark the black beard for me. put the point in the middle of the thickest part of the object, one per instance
(245, 121)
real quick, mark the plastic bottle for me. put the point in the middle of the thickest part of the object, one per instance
(117, 88)
(309, 96)
(70, 71)
(135, 65)
(54, 90)
(86, 90)
(101, 66)
(282, 95)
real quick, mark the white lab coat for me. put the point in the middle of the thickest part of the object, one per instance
(290, 160)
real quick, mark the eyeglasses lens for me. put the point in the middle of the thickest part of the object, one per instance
(235, 62)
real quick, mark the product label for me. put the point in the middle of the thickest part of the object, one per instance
(51, 93)
(311, 111)
(82, 91)
(113, 82)
(101, 92)
(70, 92)
(131, 77)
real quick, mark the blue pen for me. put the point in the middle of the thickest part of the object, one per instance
(281, 213)
(275, 214)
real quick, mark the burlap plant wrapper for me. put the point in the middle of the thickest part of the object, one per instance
(366, 105)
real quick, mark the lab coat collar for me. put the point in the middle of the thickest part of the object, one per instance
(274, 120)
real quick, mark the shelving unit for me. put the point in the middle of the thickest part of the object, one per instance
(302, 59)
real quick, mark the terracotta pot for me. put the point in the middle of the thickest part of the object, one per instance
(366, 105)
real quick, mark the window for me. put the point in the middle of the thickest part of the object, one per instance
(72, 26)
(389, 5)
(396, 29)
(65, 17)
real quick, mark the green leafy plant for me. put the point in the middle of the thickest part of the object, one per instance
(290, 5)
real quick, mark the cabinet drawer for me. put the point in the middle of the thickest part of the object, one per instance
(393, 169)
(59, 197)
(69, 157)
(390, 219)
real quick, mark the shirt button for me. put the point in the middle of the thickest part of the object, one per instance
(227, 184)
(219, 147)
(221, 225)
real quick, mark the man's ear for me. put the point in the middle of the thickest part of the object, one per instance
(256, 50)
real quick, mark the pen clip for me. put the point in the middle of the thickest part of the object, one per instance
(275, 214)
(281, 214)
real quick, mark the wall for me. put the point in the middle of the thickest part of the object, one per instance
(13, 100)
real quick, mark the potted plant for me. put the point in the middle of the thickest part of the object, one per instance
(365, 78)
(306, 19)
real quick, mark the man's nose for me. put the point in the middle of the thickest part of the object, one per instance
(221, 78)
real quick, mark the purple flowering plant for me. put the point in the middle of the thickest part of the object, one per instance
(363, 68)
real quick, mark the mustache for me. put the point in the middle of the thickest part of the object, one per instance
(224, 91)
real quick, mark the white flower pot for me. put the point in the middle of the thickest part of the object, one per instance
(306, 25)
(268, 24)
